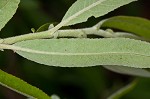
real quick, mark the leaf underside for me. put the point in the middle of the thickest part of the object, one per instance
(86, 52)
(129, 71)
(7, 10)
(81, 10)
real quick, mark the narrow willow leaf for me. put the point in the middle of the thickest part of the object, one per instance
(85, 52)
(7, 10)
(129, 71)
(21, 86)
(44, 27)
(81, 10)
(136, 25)
(124, 90)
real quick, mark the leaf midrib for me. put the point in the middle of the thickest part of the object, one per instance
(64, 22)
(16, 48)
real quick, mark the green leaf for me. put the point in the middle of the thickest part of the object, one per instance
(21, 86)
(136, 25)
(124, 90)
(7, 10)
(85, 52)
(44, 27)
(81, 10)
(129, 71)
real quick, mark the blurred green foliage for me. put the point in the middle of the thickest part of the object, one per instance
(68, 83)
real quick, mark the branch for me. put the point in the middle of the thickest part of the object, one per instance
(77, 33)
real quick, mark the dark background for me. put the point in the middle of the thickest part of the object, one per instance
(68, 83)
